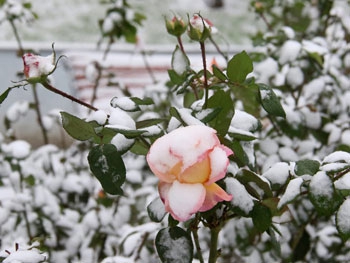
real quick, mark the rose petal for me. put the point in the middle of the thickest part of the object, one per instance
(197, 173)
(185, 144)
(214, 194)
(218, 163)
(183, 200)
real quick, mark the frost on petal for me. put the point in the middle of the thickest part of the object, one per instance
(184, 200)
(214, 194)
(218, 163)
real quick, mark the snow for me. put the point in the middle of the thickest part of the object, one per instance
(179, 61)
(16, 110)
(278, 173)
(321, 185)
(295, 77)
(17, 149)
(287, 154)
(99, 116)
(124, 103)
(312, 47)
(120, 119)
(121, 142)
(185, 199)
(244, 121)
(292, 191)
(186, 116)
(186, 144)
(289, 51)
(241, 198)
(343, 217)
(24, 256)
(266, 69)
(268, 146)
(339, 156)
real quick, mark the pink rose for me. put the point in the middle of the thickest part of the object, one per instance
(38, 66)
(188, 161)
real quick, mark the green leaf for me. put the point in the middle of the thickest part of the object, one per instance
(139, 148)
(78, 128)
(246, 177)
(175, 78)
(108, 167)
(322, 194)
(148, 122)
(262, 217)
(306, 167)
(4, 95)
(239, 67)
(156, 210)
(218, 73)
(240, 157)
(223, 101)
(270, 101)
(130, 134)
(174, 245)
(342, 220)
(174, 113)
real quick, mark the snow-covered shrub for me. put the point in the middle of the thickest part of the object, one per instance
(285, 120)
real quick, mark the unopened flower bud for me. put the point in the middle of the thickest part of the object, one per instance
(175, 26)
(37, 67)
(199, 28)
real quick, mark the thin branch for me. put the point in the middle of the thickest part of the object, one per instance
(39, 114)
(57, 91)
(206, 88)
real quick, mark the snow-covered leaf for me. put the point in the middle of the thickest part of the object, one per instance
(270, 101)
(292, 191)
(156, 210)
(174, 245)
(241, 198)
(179, 61)
(256, 185)
(343, 219)
(108, 167)
(323, 195)
(306, 167)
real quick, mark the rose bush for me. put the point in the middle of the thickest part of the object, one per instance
(188, 161)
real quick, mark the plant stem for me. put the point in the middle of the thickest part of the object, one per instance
(97, 82)
(15, 32)
(194, 229)
(214, 237)
(179, 40)
(206, 88)
(39, 115)
(57, 91)
(218, 48)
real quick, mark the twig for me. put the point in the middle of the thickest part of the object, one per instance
(39, 115)
(206, 88)
(57, 91)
